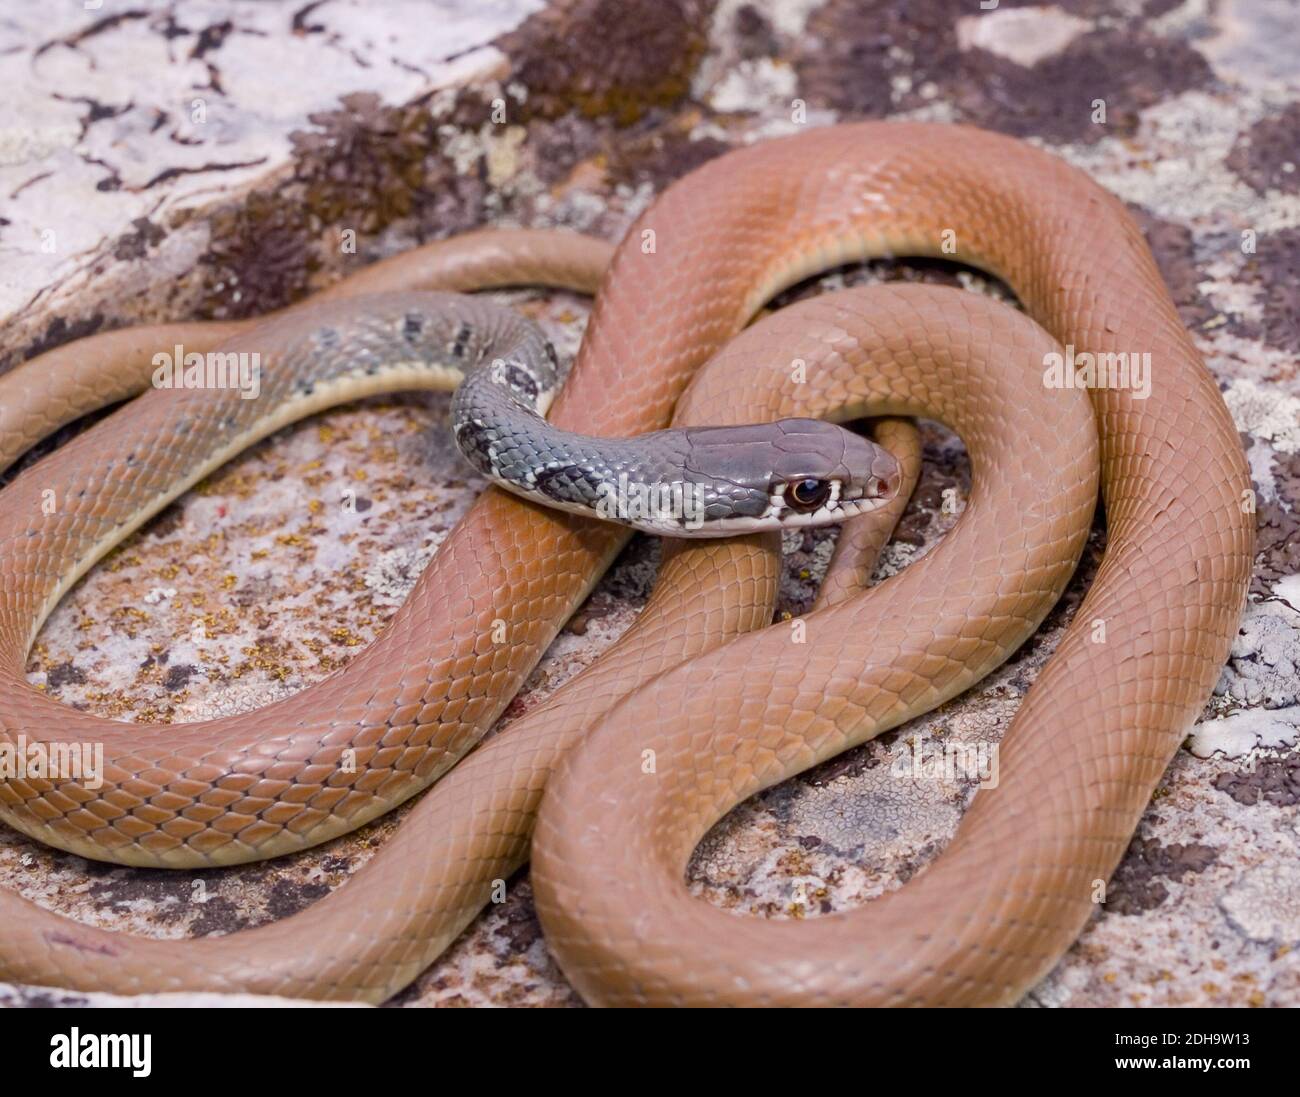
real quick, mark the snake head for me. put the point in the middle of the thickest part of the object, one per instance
(791, 473)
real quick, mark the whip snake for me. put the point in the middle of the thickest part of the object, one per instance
(724, 711)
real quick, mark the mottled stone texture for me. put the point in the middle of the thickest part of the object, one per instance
(384, 123)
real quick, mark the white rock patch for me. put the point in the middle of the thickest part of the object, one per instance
(1022, 35)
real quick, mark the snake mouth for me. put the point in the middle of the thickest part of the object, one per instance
(875, 492)
(861, 504)
(875, 489)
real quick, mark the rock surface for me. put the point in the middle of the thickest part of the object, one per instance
(324, 119)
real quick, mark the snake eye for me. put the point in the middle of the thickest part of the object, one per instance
(807, 495)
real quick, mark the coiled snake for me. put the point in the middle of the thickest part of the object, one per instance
(724, 711)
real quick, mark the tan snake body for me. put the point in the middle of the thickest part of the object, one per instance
(1078, 763)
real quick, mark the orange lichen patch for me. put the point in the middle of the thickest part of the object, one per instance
(266, 657)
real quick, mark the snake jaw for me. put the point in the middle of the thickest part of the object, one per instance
(841, 504)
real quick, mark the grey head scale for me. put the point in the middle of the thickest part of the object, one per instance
(788, 474)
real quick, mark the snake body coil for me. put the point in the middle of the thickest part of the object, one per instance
(725, 711)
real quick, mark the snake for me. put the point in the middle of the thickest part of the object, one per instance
(609, 786)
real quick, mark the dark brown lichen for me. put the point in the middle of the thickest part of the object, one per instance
(1275, 781)
(65, 674)
(856, 48)
(1277, 531)
(360, 169)
(135, 244)
(1136, 885)
(178, 677)
(261, 257)
(218, 916)
(365, 163)
(364, 166)
(1275, 268)
(607, 58)
(1128, 71)
(288, 897)
(520, 927)
(168, 894)
(1267, 156)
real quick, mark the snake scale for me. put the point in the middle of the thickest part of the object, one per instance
(724, 706)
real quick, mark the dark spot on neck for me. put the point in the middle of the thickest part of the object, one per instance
(462, 341)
